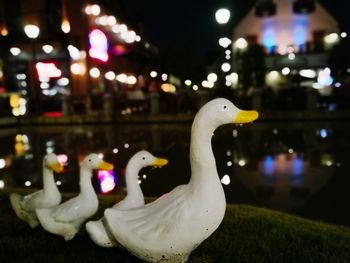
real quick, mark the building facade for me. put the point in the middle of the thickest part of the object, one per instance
(65, 56)
(293, 40)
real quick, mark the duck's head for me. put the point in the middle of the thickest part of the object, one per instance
(221, 111)
(52, 163)
(145, 158)
(93, 161)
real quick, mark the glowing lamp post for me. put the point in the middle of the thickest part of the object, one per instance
(32, 32)
(222, 16)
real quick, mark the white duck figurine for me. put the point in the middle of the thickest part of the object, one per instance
(97, 229)
(24, 206)
(171, 227)
(66, 218)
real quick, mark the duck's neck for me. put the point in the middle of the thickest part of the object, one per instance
(86, 187)
(132, 185)
(49, 184)
(203, 165)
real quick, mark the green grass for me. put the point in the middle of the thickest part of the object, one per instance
(247, 234)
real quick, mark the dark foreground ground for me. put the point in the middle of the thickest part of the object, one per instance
(247, 234)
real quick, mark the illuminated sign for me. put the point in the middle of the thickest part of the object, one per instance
(98, 45)
(324, 77)
(107, 180)
(47, 71)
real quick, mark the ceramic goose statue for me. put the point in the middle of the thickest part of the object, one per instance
(66, 218)
(170, 228)
(24, 206)
(97, 230)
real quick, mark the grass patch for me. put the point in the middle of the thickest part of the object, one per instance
(247, 234)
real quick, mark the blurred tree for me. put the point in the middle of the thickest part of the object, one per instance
(182, 62)
(339, 60)
(251, 66)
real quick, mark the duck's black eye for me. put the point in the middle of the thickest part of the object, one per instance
(225, 107)
(89, 160)
(143, 158)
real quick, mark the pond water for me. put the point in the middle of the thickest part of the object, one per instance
(298, 167)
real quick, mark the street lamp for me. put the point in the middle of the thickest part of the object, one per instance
(32, 32)
(225, 42)
(222, 16)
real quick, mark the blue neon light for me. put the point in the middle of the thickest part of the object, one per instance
(268, 33)
(298, 166)
(268, 165)
(323, 133)
(300, 29)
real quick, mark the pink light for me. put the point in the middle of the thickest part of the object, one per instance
(63, 159)
(98, 45)
(107, 180)
(53, 114)
(47, 70)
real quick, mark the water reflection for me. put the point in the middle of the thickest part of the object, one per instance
(285, 166)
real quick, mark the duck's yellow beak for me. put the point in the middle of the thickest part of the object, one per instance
(246, 116)
(57, 167)
(105, 166)
(159, 162)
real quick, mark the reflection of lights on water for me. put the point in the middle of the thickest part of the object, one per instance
(58, 183)
(2, 163)
(101, 155)
(28, 156)
(329, 163)
(228, 153)
(323, 133)
(126, 146)
(144, 176)
(139, 181)
(28, 183)
(115, 150)
(235, 133)
(229, 163)
(226, 180)
(242, 163)
(107, 180)
(62, 158)
(290, 150)
(2, 184)
(188, 82)
(291, 56)
(325, 78)
(25, 139)
(298, 166)
(50, 150)
(338, 164)
(268, 165)
(275, 131)
(285, 71)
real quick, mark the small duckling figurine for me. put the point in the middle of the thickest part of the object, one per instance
(24, 206)
(171, 227)
(66, 218)
(97, 229)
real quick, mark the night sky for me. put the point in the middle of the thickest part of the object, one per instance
(191, 24)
